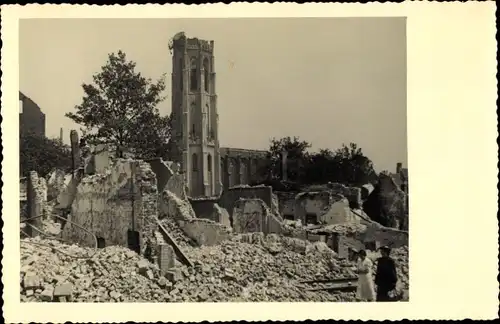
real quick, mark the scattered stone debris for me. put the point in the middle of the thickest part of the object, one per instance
(265, 262)
(249, 267)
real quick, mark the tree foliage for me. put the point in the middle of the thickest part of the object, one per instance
(120, 108)
(347, 165)
(297, 156)
(41, 154)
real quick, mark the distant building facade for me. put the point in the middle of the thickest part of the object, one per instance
(207, 167)
(31, 117)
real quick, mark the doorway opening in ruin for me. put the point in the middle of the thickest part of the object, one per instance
(288, 217)
(311, 219)
(101, 243)
(133, 241)
(372, 245)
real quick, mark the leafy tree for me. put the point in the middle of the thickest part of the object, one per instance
(296, 158)
(321, 167)
(41, 154)
(352, 166)
(120, 108)
(347, 165)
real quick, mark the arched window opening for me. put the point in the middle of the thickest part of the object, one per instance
(206, 71)
(194, 162)
(181, 75)
(209, 163)
(209, 123)
(193, 132)
(194, 75)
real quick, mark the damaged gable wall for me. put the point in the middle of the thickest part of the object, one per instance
(387, 204)
(229, 197)
(115, 205)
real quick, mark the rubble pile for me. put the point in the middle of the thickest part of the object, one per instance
(176, 232)
(84, 274)
(231, 271)
(249, 267)
(347, 229)
(253, 268)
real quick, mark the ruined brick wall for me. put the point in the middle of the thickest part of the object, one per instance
(148, 198)
(222, 215)
(249, 215)
(36, 199)
(338, 213)
(229, 197)
(353, 194)
(205, 232)
(163, 172)
(384, 235)
(32, 118)
(252, 215)
(55, 184)
(112, 204)
(205, 208)
(286, 203)
(23, 182)
(387, 204)
(311, 203)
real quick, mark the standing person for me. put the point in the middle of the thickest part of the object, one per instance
(386, 276)
(366, 289)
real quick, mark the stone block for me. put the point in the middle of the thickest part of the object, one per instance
(166, 257)
(163, 282)
(32, 282)
(313, 237)
(47, 294)
(65, 291)
(143, 266)
(173, 275)
(149, 274)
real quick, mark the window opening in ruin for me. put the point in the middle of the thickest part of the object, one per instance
(371, 246)
(288, 217)
(334, 241)
(194, 162)
(194, 76)
(209, 163)
(311, 219)
(193, 132)
(206, 74)
(101, 243)
(133, 241)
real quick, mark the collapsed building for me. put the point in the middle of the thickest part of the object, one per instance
(176, 242)
(193, 229)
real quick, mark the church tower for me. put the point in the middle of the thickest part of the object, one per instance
(195, 123)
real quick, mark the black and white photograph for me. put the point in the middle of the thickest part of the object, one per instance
(253, 162)
(175, 163)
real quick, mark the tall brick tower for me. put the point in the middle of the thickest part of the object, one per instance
(195, 120)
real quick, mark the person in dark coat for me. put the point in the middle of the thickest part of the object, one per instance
(386, 276)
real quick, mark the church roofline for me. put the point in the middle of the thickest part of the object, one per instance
(231, 151)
